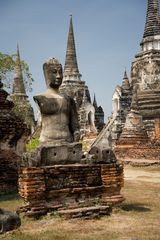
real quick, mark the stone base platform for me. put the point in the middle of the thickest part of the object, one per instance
(70, 187)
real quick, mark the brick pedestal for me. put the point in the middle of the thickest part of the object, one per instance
(66, 187)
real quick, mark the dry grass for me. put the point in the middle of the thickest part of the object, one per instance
(138, 218)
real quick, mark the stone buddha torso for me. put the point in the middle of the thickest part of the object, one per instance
(55, 115)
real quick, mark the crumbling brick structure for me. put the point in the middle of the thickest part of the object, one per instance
(12, 131)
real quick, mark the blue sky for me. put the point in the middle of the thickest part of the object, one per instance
(107, 36)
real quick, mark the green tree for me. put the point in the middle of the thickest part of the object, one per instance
(7, 66)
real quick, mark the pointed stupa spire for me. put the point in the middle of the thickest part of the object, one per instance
(95, 102)
(18, 84)
(151, 36)
(152, 26)
(125, 74)
(125, 82)
(71, 66)
(18, 69)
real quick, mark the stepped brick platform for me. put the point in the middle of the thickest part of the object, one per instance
(65, 187)
(86, 212)
(139, 155)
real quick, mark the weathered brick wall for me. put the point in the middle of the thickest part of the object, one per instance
(11, 130)
(8, 171)
(157, 129)
(69, 186)
(138, 153)
(46, 182)
(113, 181)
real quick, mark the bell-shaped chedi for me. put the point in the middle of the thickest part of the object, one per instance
(146, 70)
(133, 132)
(22, 106)
(134, 145)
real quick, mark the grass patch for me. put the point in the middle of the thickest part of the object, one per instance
(32, 144)
(10, 201)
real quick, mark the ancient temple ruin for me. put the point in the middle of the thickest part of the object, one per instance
(73, 86)
(22, 106)
(13, 133)
(121, 103)
(125, 125)
(56, 176)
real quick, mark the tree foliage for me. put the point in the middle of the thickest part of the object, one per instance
(7, 66)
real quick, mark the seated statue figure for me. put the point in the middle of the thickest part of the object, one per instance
(59, 136)
(58, 112)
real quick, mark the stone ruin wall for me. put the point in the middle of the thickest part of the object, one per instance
(145, 70)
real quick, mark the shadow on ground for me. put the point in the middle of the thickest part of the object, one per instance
(134, 207)
(8, 197)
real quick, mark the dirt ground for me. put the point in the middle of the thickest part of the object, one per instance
(137, 218)
(145, 174)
